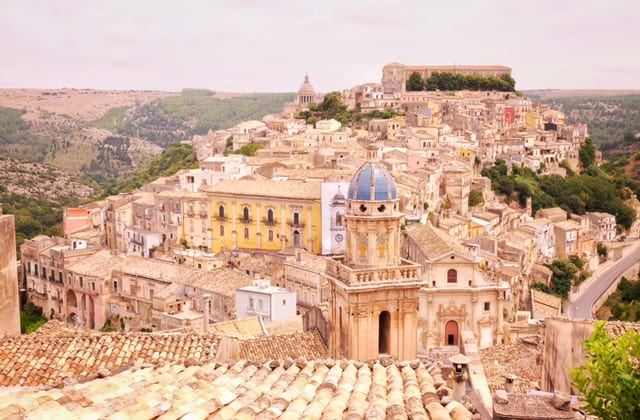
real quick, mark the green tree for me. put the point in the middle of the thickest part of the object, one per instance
(415, 82)
(587, 153)
(563, 275)
(475, 198)
(609, 381)
(250, 149)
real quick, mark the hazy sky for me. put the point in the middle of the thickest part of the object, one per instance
(268, 45)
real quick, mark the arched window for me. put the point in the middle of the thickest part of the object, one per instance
(246, 233)
(297, 242)
(245, 214)
(221, 211)
(270, 236)
(452, 276)
(270, 216)
(221, 230)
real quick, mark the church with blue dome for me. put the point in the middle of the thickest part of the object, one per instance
(373, 292)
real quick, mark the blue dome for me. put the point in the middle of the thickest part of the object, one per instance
(372, 182)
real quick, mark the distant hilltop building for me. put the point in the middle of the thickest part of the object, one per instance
(395, 75)
(306, 96)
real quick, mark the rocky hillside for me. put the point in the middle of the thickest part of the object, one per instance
(106, 135)
(42, 182)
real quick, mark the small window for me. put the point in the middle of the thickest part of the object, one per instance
(284, 302)
(221, 230)
(270, 236)
(487, 306)
(221, 211)
(93, 285)
(452, 276)
(81, 282)
(246, 233)
(115, 286)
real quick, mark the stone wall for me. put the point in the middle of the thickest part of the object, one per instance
(563, 350)
(9, 308)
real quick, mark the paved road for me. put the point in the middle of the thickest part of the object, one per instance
(581, 306)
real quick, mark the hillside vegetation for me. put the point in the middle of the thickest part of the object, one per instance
(195, 111)
(16, 140)
(614, 121)
(174, 158)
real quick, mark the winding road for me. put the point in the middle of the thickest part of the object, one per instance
(581, 306)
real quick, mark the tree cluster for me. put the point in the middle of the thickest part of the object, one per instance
(456, 81)
(332, 106)
(564, 275)
(174, 158)
(591, 191)
(624, 303)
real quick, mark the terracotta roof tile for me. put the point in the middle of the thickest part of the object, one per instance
(308, 345)
(48, 358)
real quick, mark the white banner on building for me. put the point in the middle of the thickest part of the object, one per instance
(334, 208)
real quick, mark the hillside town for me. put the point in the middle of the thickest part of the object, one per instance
(331, 243)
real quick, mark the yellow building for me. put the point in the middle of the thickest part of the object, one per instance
(267, 215)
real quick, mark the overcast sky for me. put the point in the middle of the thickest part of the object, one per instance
(268, 45)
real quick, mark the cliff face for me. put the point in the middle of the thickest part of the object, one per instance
(9, 307)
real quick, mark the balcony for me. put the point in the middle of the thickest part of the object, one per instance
(191, 213)
(203, 214)
(296, 224)
(268, 222)
(406, 273)
(221, 218)
(245, 221)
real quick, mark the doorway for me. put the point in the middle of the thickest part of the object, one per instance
(451, 333)
(384, 327)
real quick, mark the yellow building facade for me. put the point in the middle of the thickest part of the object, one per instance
(266, 215)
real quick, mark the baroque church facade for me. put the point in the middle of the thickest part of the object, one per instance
(381, 302)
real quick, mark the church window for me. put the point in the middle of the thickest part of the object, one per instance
(452, 276)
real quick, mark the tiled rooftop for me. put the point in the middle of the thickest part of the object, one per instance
(433, 241)
(43, 359)
(308, 345)
(519, 358)
(245, 390)
(284, 189)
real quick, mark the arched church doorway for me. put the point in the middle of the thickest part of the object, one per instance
(384, 332)
(451, 333)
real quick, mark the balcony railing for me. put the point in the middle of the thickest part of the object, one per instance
(245, 221)
(268, 222)
(191, 213)
(296, 224)
(221, 218)
(203, 215)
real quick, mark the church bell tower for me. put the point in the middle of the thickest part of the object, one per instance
(373, 307)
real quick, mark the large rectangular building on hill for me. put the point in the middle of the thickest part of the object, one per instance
(395, 75)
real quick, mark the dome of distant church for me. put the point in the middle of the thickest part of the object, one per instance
(306, 88)
(338, 198)
(372, 182)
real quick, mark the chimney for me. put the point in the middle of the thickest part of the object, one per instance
(509, 379)
(459, 375)
(205, 311)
